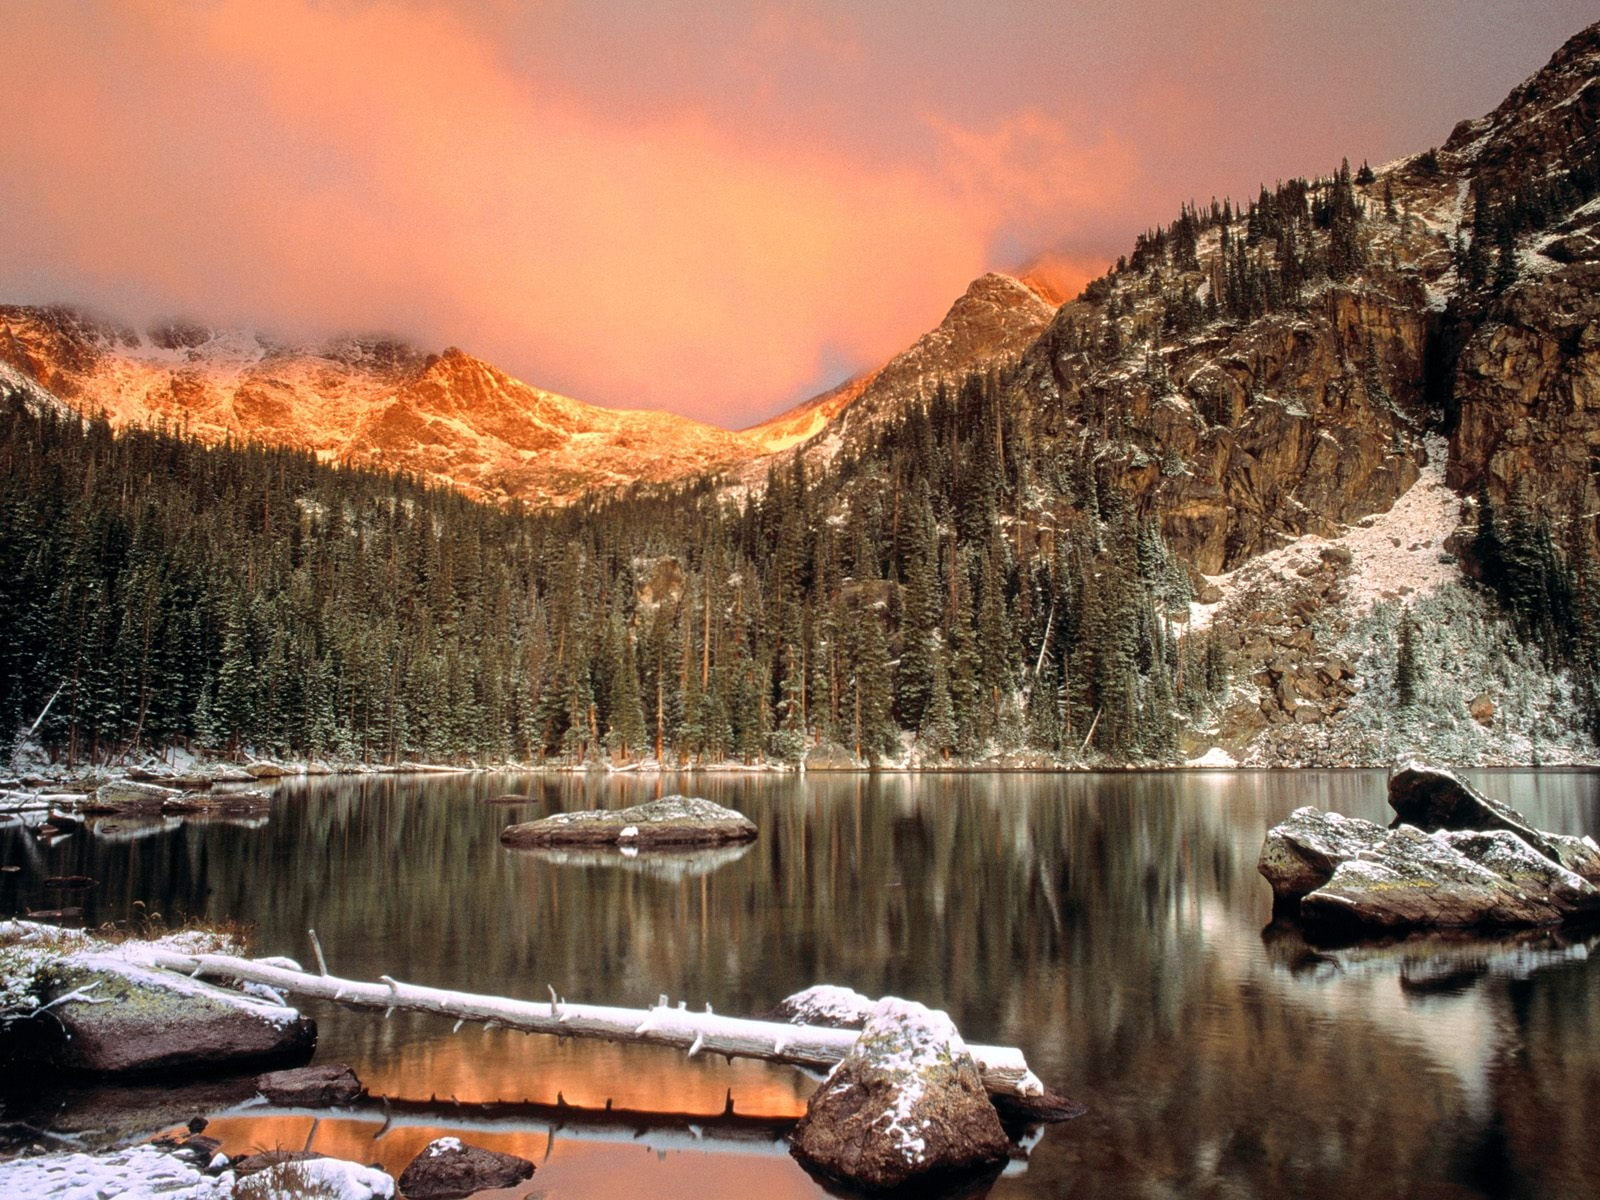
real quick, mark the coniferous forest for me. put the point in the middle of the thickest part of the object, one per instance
(239, 597)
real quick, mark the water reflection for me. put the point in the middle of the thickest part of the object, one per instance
(1108, 925)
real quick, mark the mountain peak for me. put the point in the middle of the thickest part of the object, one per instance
(1551, 120)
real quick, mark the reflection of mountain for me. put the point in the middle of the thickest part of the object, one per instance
(673, 866)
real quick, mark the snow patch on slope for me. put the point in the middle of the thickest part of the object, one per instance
(1393, 555)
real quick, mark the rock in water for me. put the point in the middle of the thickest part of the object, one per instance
(116, 1017)
(1448, 880)
(1432, 799)
(669, 821)
(312, 1087)
(1302, 853)
(905, 1108)
(448, 1168)
(824, 1004)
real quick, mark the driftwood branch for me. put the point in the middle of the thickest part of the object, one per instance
(1004, 1071)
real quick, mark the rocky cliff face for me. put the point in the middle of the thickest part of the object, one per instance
(1525, 385)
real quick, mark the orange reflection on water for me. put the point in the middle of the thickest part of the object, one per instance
(477, 1066)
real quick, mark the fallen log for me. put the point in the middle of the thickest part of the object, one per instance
(1002, 1068)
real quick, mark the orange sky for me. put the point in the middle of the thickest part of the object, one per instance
(716, 209)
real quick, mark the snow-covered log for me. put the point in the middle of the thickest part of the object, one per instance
(1004, 1071)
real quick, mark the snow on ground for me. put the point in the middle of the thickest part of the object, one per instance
(1393, 555)
(150, 1173)
(1214, 759)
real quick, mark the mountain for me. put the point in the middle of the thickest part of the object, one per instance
(450, 417)
(1309, 479)
(447, 417)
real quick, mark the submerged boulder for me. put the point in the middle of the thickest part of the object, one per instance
(448, 1168)
(110, 1016)
(311, 1087)
(669, 821)
(1301, 854)
(905, 1109)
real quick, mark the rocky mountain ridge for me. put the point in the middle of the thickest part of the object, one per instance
(451, 417)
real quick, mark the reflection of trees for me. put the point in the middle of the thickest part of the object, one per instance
(1109, 925)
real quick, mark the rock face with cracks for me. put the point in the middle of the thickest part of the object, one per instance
(1302, 853)
(670, 821)
(1431, 799)
(1449, 880)
(905, 1109)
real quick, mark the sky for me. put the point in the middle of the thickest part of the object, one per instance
(716, 209)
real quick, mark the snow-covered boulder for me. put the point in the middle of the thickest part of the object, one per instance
(905, 1108)
(669, 821)
(1302, 853)
(825, 1004)
(1448, 880)
(316, 1179)
(448, 1168)
(77, 1004)
(130, 796)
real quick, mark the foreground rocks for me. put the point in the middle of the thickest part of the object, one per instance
(669, 821)
(904, 1109)
(1454, 860)
(146, 1172)
(448, 1168)
(117, 1018)
(83, 1006)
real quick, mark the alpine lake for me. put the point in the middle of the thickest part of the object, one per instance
(1112, 926)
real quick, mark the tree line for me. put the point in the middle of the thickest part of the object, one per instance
(157, 592)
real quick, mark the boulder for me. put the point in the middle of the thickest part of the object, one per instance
(1302, 853)
(448, 1168)
(129, 796)
(1448, 881)
(905, 1109)
(669, 821)
(311, 1087)
(1431, 799)
(114, 1017)
(824, 1004)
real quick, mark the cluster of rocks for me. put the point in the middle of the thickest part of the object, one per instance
(670, 821)
(1452, 859)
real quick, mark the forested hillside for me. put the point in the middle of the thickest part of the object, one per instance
(162, 591)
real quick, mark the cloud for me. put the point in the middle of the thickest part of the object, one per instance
(336, 166)
(663, 203)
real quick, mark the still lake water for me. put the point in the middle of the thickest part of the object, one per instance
(1112, 926)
